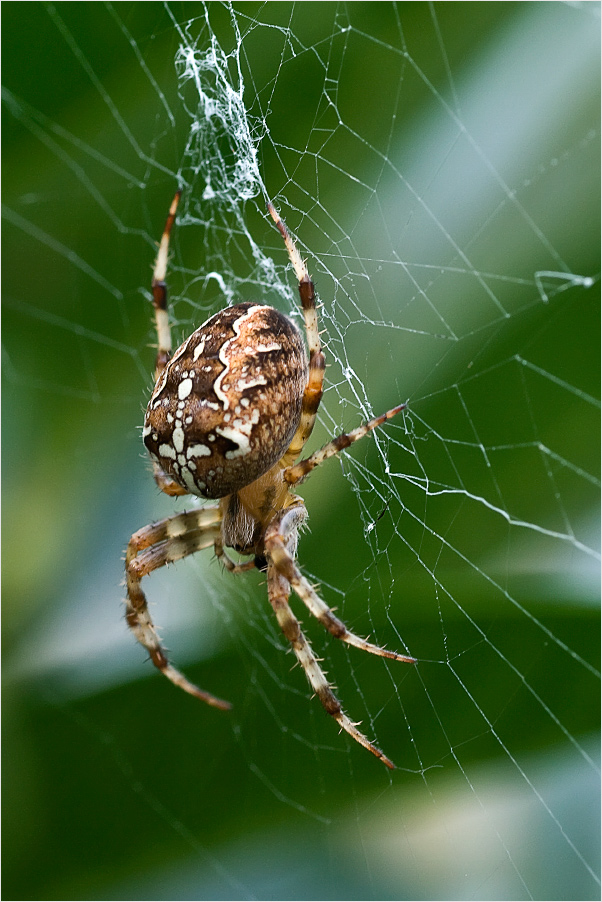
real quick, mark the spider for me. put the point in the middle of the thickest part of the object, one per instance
(230, 413)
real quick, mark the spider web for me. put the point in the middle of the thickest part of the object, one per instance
(438, 166)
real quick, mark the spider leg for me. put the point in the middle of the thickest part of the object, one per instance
(279, 537)
(313, 390)
(227, 561)
(150, 548)
(300, 471)
(286, 565)
(166, 483)
(159, 289)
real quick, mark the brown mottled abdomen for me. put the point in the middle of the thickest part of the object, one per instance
(229, 401)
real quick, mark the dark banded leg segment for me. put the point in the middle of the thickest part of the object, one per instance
(287, 567)
(314, 388)
(300, 471)
(150, 548)
(278, 593)
(159, 289)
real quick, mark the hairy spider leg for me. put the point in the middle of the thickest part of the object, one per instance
(155, 546)
(230, 565)
(314, 388)
(159, 289)
(287, 567)
(300, 471)
(279, 535)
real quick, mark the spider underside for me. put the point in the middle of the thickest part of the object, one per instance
(230, 414)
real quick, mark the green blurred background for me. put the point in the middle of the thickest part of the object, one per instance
(440, 165)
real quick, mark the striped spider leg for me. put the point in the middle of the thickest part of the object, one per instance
(230, 413)
(155, 546)
(284, 574)
(313, 391)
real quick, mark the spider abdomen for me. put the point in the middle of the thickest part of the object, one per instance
(227, 404)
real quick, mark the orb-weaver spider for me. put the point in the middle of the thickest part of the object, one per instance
(230, 413)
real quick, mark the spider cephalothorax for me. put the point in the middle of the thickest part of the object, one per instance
(230, 413)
